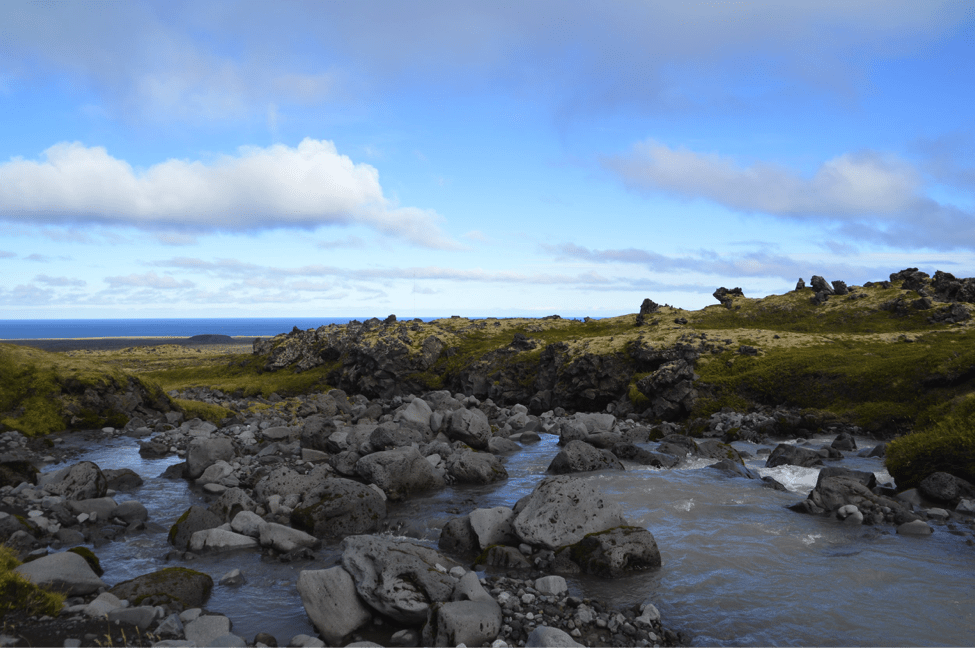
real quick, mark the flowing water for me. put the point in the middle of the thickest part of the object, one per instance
(738, 567)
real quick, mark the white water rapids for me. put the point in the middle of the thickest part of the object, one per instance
(738, 567)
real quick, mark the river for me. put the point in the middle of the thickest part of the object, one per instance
(738, 567)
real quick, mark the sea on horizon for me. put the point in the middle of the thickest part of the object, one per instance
(34, 329)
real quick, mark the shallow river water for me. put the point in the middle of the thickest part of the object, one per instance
(738, 567)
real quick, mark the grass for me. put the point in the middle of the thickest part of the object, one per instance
(948, 445)
(18, 593)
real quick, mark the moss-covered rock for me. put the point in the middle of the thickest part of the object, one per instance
(90, 558)
(616, 552)
(179, 586)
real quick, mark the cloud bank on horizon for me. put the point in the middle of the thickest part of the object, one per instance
(430, 158)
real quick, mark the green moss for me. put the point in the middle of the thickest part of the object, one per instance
(19, 594)
(239, 373)
(173, 530)
(90, 558)
(205, 411)
(947, 446)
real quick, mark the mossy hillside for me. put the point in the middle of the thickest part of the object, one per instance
(204, 411)
(19, 594)
(947, 445)
(40, 392)
(875, 381)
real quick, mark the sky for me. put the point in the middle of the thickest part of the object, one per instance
(356, 159)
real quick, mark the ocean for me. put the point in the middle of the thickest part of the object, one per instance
(32, 329)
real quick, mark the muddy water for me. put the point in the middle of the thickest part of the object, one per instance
(738, 567)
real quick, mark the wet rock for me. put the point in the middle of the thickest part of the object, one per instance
(231, 502)
(131, 511)
(831, 493)
(471, 623)
(177, 586)
(340, 507)
(399, 473)
(100, 507)
(492, 525)
(219, 540)
(915, 528)
(65, 572)
(579, 456)
(233, 578)
(788, 454)
(501, 445)
(396, 577)
(248, 523)
(284, 539)
(562, 510)
(475, 468)
(470, 427)
(122, 479)
(844, 441)
(735, 469)
(945, 487)
(196, 518)
(503, 557)
(332, 603)
(714, 449)
(458, 537)
(83, 480)
(616, 552)
(201, 453)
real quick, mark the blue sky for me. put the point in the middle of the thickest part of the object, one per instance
(235, 159)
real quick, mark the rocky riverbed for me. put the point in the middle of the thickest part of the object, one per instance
(323, 486)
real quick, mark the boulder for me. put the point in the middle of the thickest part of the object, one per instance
(122, 479)
(492, 525)
(458, 537)
(844, 441)
(101, 507)
(207, 629)
(81, 481)
(788, 454)
(946, 488)
(398, 578)
(231, 502)
(282, 481)
(832, 493)
(247, 523)
(579, 456)
(503, 557)
(501, 445)
(399, 472)
(177, 586)
(339, 507)
(471, 623)
(332, 603)
(284, 539)
(201, 453)
(735, 469)
(16, 471)
(65, 572)
(131, 511)
(616, 552)
(548, 637)
(714, 449)
(196, 518)
(219, 540)
(596, 422)
(475, 468)
(469, 426)
(562, 510)
(416, 416)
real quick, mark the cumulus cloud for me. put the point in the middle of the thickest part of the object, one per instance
(306, 186)
(6, 255)
(873, 197)
(148, 280)
(848, 185)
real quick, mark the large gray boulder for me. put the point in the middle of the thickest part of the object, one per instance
(218, 540)
(201, 453)
(416, 416)
(283, 481)
(475, 468)
(579, 456)
(340, 507)
(788, 454)
(469, 426)
(195, 518)
(471, 623)
(83, 480)
(284, 539)
(493, 525)
(396, 577)
(332, 603)
(562, 510)
(231, 502)
(944, 487)
(616, 552)
(399, 472)
(175, 586)
(597, 423)
(64, 572)
(833, 493)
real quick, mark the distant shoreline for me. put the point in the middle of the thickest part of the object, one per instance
(116, 343)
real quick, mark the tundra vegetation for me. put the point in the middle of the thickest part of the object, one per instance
(884, 357)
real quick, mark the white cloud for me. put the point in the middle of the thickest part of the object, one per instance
(848, 185)
(6, 255)
(148, 280)
(60, 281)
(306, 186)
